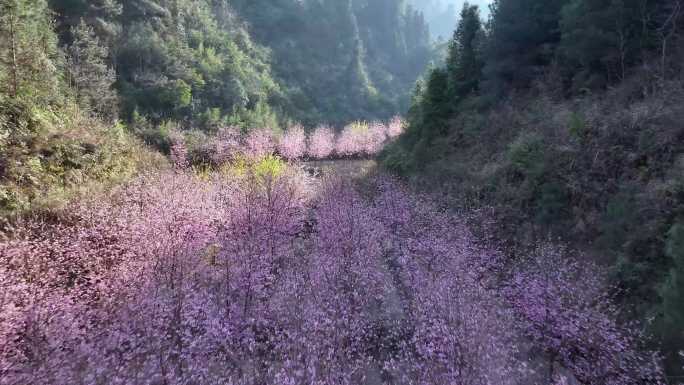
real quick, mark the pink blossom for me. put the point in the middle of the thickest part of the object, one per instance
(179, 153)
(321, 143)
(226, 145)
(395, 127)
(292, 144)
(255, 278)
(259, 143)
(351, 141)
(361, 139)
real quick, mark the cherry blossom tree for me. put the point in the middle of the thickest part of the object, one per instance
(361, 139)
(292, 144)
(226, 145)
(395, 127)
(375, 138)
(564, 309)
(351, 141)
(179, 152)
(321, 143)
(259, 143)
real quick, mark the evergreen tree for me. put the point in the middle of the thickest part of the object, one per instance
(28, 50)
(603, 39)
(101, 15)
(437, 105)
(89, 73)
(434, 113)
(464, 61)
(523, 37)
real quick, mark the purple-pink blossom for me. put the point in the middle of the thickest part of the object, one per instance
(321, 143)
(259, 143)
(292, 144)
(260, 278)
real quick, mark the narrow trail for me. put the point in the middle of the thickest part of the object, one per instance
(345, 168)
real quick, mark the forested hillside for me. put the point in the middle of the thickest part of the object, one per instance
(57, 129)
(565, 118)
(155, 69)
(341, 60)
(253, 62)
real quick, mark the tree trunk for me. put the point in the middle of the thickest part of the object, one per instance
(667, 34)
(14, 84)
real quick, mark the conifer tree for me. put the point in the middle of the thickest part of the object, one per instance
(28, 51)
(464, 61)
(90, 74)
(523, 37)
(603, 39)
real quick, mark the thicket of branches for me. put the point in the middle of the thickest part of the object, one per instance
(565, 116)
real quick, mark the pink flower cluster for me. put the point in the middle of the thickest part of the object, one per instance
(360, 139)
(256, 279)
(355, 140)
(259, 143)
(395, 127)
(179, 153)
(225, 145)
(564, 310)
(321, 143)
(292, 144)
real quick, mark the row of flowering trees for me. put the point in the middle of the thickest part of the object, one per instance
(257, 278)
(356, 140)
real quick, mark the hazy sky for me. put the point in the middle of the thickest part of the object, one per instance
(442, 23)
(484, 5)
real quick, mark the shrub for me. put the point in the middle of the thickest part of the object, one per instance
(51, 156)
(526, 155)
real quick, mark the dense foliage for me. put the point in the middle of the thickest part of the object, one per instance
(199, 62)
(267, 276)
(341, 60)
(52, 141)
(79, 76)
(178, 60)
(565, 116)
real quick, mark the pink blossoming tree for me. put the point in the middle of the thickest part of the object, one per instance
(321, 143)
(259, 143)
(292, 145)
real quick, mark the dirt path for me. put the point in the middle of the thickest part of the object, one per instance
(347, 168)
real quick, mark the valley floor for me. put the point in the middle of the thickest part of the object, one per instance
(263, 274)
